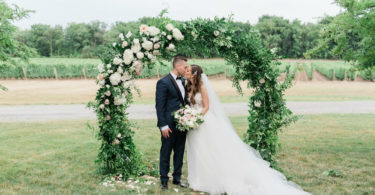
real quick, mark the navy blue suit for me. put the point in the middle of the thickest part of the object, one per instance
(168, 99)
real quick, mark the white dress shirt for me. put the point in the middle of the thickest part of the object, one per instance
(182, 89)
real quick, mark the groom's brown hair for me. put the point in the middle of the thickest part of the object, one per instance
(177, 59)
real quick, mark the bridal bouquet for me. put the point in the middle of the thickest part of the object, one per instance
(188, 118)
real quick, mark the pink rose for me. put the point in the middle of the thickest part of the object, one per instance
(117, 142)
(107, 93)
(100, 77)
(156, 46)
(106, 102)
(108, 117)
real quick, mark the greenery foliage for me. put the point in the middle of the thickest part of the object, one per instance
(352, 32)
(244, 51)
(9, 46)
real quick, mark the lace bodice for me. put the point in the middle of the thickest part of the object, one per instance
(198, 101)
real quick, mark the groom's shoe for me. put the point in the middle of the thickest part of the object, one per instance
(179, 183)
(164, 185)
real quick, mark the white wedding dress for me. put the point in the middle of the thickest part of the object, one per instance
(220, 162)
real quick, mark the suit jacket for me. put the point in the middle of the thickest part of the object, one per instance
(168, 99)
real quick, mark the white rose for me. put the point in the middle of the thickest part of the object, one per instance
(119, 70)
(121, 36)
(110, 71)
(143, 29)
(128, 84)
(115, 78)
(140, 55)
(177, 34)
(136, 41)
(125, 77)
(163, 33)
(114, 44)
(137, 65)
(156, 46)
(119, 135)
(109, 66)
(128, 35)
(171, 47)
(101, 106)
(216, 33)
(119, 101)
(156, 52)
(128, 56)
(107, 93)
(102, 82)
(155, 39)
(257, 104)
(147, 45)
(169, 27)
(100, 77)
(262, 81)
(150, 56)
(117, 61)
(169, 37)
(153, 30)
(136, 48)
(101, 68)
(124, 44)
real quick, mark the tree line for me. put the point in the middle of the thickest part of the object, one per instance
(289, 39)
(348, 36)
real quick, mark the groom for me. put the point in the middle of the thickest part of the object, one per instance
(170, 94)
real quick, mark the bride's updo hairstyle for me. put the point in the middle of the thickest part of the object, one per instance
(196, 71)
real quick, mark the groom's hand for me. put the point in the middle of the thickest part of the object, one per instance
(166, 132)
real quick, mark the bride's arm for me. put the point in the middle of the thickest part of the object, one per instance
(205, 101)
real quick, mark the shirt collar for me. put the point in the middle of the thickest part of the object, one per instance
(173, 75)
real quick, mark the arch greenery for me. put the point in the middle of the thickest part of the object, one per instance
(162, 39)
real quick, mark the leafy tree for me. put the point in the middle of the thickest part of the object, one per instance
(36, 38)
(353, 32)
(9, 46)
(280, 34)
(77, 36)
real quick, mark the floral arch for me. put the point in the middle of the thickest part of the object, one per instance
(160, 40)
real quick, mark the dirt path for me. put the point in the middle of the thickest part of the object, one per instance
(79, 111)
(317, 76)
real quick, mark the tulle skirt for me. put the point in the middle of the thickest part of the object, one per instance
(220, 162)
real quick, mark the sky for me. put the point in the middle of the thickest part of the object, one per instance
(62, 12)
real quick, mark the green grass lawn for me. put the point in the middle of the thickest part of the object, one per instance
(58, 157)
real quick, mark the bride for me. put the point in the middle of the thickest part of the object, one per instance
(218, 160)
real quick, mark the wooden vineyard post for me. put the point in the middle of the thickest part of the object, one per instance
(312, 71)
(84, 72)
(157, 72)
(355, 75)
(24, 73)
(55, 71)
(345, 75)
(333, 74)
